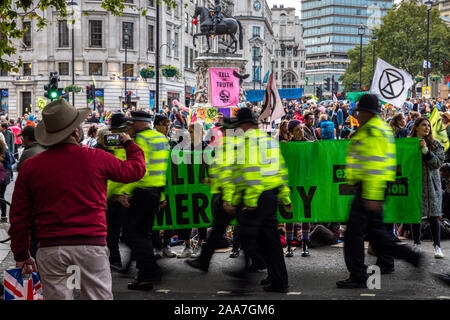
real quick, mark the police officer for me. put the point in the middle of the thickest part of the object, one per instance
(371, 163)
(116, 202)
(261, 183)
(145, 197)
(221, 175)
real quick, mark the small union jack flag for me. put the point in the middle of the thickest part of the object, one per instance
(16, 288)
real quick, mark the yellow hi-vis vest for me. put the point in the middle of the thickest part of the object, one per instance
(116, 188)
(371, 158)
(156, 150)
(261, 168)
(222, 169)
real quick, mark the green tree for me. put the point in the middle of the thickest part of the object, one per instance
(13, 13)
(402, 42)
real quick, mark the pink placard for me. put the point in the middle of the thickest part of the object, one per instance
(224, 87)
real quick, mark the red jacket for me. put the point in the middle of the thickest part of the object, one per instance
(64, 190)
(17, 131)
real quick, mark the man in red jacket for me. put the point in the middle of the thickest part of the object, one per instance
(64, 190)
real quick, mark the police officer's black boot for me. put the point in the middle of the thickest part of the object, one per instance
(305, 252)
(289, 251)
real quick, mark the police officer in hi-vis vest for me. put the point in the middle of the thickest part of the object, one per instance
(370, 164)
(221, 180)
(261, 185)
(145, 198)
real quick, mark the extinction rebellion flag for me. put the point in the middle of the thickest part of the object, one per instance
(391, 84)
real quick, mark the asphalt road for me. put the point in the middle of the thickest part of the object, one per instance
(311, 277)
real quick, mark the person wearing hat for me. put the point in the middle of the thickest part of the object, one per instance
(371, 164)
(144, 198)
(221, 180)
(261, 184)
(64, 190)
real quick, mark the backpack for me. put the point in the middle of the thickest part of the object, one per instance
(9, 160)
(327, 130)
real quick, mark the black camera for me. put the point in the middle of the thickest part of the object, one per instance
(112, 140)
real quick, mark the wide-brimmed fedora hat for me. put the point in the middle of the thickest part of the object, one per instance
(59, 120)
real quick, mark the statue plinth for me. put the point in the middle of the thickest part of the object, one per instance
(203, 63)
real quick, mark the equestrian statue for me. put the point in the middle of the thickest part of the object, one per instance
(212, 22)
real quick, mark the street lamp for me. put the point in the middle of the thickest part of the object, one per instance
(260, 71)
(72, 3)
(361, 32)
(374, 38)
(429, 5)
(254, 65)
(126, 38)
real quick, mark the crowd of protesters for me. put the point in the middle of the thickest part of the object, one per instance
(304, 121)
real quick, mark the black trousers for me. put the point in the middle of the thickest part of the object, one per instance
(259, 235)
(364, 222)
(137, 229)
(2, 195)
(221, 219)
(435, 231)
(115, 216)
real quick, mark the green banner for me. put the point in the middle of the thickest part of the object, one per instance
(317, 180)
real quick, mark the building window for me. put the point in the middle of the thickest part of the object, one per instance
(151, 3)
(26, 69)
(127, 28)
(175, 47)
(186, 57)
(127, 70)
(169, 44)
(191, 60)
(289, 64)
(129, 1)
(192, 26)
(95, 69)
(295, 64)
(186, 22)
(63, 68)
(63, 34)
(282, 64)
(27, 35)
(256, 31)
(255, 53)
(151, 38)
(3, 73)
(95, 36)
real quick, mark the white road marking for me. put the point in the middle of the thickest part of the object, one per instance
(368, 294)
(294, 293)
(223, 292)
(163, 291)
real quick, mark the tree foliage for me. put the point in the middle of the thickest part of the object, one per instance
(402, 42)
(14, 13)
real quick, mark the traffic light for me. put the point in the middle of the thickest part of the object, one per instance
(355, 87)
(90, 92)
(336, 86)
(319, 92)
(327, 84)
(127, 97)
(364, 88)
(51, 90)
